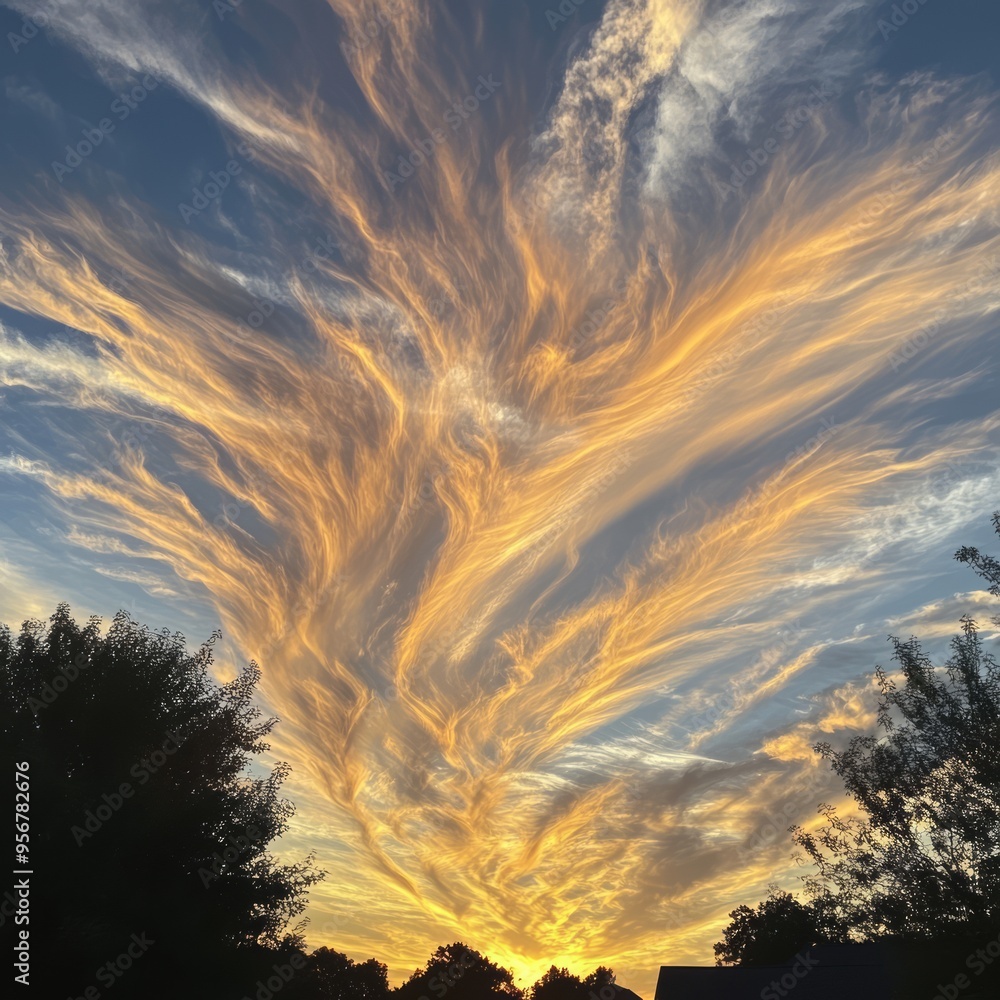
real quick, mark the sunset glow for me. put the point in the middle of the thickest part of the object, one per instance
(542, 403)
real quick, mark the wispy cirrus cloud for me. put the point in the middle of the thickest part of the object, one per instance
(569, 597)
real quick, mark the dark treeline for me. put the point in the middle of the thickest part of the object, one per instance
(149, 840)
(916, 870)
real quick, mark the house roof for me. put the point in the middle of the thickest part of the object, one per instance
(854, 982)
(827, 972)
(830, 972)
(625, 994)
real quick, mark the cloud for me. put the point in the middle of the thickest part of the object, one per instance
(56, 366)
(562, 527)
(744, 66)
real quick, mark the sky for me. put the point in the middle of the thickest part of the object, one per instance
(562, 403)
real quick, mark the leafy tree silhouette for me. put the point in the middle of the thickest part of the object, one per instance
(561, 984)
(460, 973)
(919, 868)
(144, 818)
(333, 976)
(558, 984)
(923, 861)
(771, 934)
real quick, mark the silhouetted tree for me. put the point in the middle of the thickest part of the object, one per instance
(558, 984)
(329, 975)
(921, 863)
(561, 984)
(463, 974)
(601, 977)
(773, 933)
(144, 820)
(923, 860)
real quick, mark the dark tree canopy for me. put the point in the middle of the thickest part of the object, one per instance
(557, 984)
(333, 976)
(777, 930)
(463, 974)
(561, 984)
(144, 819)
